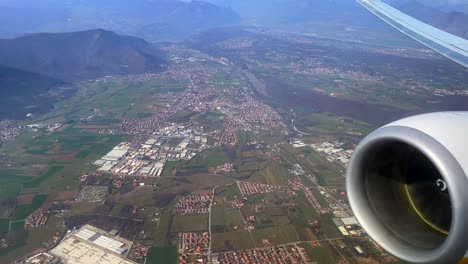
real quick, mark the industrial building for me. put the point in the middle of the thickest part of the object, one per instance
(92, 245)
(149, 159)
(116, 153)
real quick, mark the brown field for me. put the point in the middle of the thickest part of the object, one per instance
(54, 150)
(366, 260)
(67, 157)
(137, 197)
(65, 196)
(309, 234)
(50, 200)
(25, 198)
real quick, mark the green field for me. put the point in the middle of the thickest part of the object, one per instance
(116, 99)
(210, 120)
(17, 245)
(227, 193)
(328, 123)
(32, 240)
(22, 211)
(54, 170)
(166, 218)
(97, 150)
(304, 212)
(322, 255)
(275, 173)
(168, 168)
(232, 240)
(225, 218)
(209, 158)
(11, 183)
(276, 235)
(18, 225)
(4, 226)
(159, 255)
(190, 223)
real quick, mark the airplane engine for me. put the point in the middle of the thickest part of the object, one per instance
(408, 187)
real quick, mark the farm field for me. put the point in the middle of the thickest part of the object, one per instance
(163, 255)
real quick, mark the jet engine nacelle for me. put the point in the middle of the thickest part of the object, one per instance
(407, 185)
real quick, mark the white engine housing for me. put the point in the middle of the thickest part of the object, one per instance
(398, 155)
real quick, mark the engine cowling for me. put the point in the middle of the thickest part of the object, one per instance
(407, 185)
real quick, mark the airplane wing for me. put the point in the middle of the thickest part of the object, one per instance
(444, 43)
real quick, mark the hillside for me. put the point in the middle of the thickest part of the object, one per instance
(188, 19)
(24, 92)
(150, 19)
(79, 55)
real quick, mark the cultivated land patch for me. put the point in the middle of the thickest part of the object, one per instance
(25, 199)
(161, 255)
(65, 196)
(322, 254)
(22, 211)
(190, 223)
(275, 235)
(234, 240)
(4, 226)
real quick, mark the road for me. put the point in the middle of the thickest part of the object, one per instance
(209, 220)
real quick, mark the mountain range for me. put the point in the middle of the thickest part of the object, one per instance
(347, 12)
(24, 92)
(149, 19)
(276, 12)
(79, 55)
(33, 68)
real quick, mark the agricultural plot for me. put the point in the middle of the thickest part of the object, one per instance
(321, 254)
(274, 173)
(233, 240)
(190, 223)
(18, 225)
(162, 255)
(226, 219)
(53, 170)
(22, 211)
(11, 183)
(4, 226)
(275, 235)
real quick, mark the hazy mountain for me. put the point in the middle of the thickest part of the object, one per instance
(296, 11)
(158, 19)
(188, 19)
(23, 92)
(78, 55)
(451, 21)
(347, 12)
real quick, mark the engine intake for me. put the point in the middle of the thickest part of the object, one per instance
(408, 187)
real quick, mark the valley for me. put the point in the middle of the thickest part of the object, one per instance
(276, 116)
